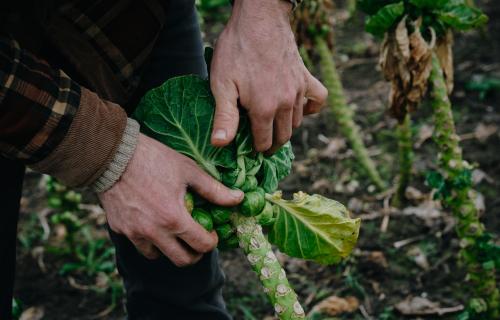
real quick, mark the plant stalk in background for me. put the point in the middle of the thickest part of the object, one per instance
(405, 154)
(460, 200)
(313, 27)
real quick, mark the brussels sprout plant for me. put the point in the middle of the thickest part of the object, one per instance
(313, 27)
(180, 114)
(417, 53)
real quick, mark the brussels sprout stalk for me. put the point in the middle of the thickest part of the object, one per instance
(265, 264)
(469, 229)
(343, 114)
(405, 151)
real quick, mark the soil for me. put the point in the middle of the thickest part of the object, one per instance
(379, 274)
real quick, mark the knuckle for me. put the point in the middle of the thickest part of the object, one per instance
(288, 104)
(263, 145)
(283, 138)
(296, 122)
(170, 223)
(147, 230)
(131, 233)
(150, 254)
(183, 261)
(208, 246)
(265, 112)
(225, 115)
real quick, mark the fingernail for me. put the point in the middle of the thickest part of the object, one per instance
(236, 194)
(220, 134)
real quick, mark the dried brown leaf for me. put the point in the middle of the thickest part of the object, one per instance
(484, 131)
(405, 60)
(444, 53)
(417, 306)
(424, 133)
(333, 305)
(33, 313)
(332, 149)
(419, 257)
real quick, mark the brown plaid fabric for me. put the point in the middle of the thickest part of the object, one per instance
(37, 104)
(38, 101)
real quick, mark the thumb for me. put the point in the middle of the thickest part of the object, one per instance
(212, 190)
(226, 117)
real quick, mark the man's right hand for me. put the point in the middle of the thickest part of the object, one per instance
(147, 203)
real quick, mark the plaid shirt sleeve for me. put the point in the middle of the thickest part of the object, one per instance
(37, 104)
(51, 123)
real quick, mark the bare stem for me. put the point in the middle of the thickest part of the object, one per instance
(267, 267)
(343, 114)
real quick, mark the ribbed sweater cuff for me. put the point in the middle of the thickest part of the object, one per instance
(123, 155)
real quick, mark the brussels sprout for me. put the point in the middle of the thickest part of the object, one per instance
(242, 173)
(54, 202)
(266, 217)
(229, 177)
(253, 203)
(250, 184)
(73, 196)
(203, 218)
(220, 215)
(189, 202)
(230, 243)
(224, 231)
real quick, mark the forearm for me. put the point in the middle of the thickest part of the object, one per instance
(52, 124)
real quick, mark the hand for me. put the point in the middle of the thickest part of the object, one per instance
(147, 203)
(257, 61)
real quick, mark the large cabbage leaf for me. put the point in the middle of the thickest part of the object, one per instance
(313, 227)
(180, 114)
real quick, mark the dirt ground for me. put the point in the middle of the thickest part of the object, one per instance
(414, 256)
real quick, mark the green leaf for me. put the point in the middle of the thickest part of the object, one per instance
(429, 4)
(371, 7)
(313, 227)
(180, 114)
(276, 167)
(463, 17)
(385, 18)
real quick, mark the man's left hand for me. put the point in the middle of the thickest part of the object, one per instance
(256, 60)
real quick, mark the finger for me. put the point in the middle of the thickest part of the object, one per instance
(197, 238)
(298, 110)
(316, 94)
(226, 116)
(178, 252)
(212, 190)
(262, 128)
(282, 128)
(146, 248)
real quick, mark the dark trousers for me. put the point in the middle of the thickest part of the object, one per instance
(11, 183)
(155, 289)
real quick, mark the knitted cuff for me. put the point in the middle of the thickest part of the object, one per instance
(123, 155)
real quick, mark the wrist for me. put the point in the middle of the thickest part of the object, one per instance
(121, 159)
(262, 9)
